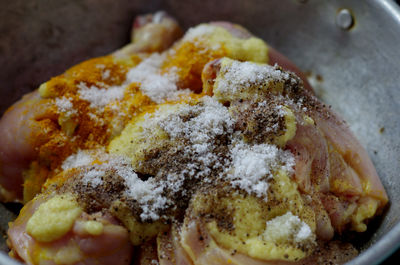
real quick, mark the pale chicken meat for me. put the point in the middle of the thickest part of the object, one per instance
(204, 250)
(17, 150)
(170, 250)
(89, 239)
(209, 148)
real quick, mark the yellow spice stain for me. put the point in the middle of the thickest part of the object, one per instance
(138, 232)
(250, 217)
(94, 228)
(366, 184)
(188, 61)
(67, 255)
(61, 134)
(89, 72)
(34, 178)
(54, 218)
(308, 120)
(290, 128)
(135, 138)
(188, 57)
(366, 210)
(341, 185)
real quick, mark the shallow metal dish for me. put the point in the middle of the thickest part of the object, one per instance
(357, 70)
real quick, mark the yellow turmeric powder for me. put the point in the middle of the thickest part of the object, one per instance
(64, 132)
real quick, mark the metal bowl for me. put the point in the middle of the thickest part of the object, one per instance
(349, 48)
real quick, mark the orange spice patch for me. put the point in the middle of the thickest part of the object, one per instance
(188, 60)
(91, 128)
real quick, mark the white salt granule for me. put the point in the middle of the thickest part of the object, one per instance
(147, 193)
(209, 119)
(65, 106)
(100, 97)
(105, 74)
(193, 130)
(80, 158)
(304, 233)
(240, 76)
(93, 177)
(158, 86)
(247, 167)
(253, 165)
(99, 121)
(280, 110)
(288, 228)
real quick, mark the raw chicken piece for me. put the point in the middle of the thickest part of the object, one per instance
(311, 153)
(312, 171)
(274, 57)
(355, 157)
(17, 128)
(196, 240)
(35, 158)
(354, 184)
(151, 33)
(30, 129)
(92, 239)
(81, 218)
(331, 166)
(170, 250)
(240, 140)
